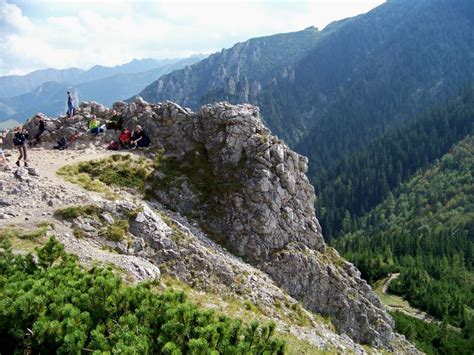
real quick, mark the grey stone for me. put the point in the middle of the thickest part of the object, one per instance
(4, 203)
(108, 218)
(21, 173)
(32, 171)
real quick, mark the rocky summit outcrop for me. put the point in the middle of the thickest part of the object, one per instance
(249, 192)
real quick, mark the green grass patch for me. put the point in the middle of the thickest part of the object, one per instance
(295, 346)
(78, 233)
(72, 212)
(71, 174)
(115, 232)
(333, 257)
(23, 233)
(120, 170)
(25, 239)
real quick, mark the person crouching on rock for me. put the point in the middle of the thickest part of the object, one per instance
(125, 138)
(139, 138)
(94, 126)
(115, 121)
(19, 141)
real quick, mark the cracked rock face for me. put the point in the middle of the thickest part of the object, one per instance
(252, 195)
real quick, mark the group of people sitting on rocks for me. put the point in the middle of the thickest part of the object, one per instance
(127, 138)
(134, 139)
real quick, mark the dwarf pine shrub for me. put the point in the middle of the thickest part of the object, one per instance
(53, 305)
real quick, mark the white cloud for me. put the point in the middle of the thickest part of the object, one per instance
(85, 33)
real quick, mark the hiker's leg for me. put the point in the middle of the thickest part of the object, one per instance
(20, 156)
(25, 155)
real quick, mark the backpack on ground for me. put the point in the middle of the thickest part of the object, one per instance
(113, 146)
(62, 144)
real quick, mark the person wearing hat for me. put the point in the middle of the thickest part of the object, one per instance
(139, 138)
(19, 141)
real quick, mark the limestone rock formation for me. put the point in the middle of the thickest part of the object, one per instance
(251, 194)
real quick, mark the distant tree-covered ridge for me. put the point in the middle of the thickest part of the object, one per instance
(427, 234)
(53, 305)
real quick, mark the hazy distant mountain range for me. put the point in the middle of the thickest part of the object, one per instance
(45, 90)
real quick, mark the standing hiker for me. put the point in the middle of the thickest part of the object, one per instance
(41, 128)
(70, 105)
(19, 141)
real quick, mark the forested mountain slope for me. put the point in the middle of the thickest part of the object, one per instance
(359, 181)
(238, 74)
(426, 233)
(383, 68)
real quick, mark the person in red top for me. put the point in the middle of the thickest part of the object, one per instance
(125, 138)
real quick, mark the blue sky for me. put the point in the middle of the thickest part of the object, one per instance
(36, 34)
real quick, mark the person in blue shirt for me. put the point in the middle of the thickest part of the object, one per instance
(70, 105)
